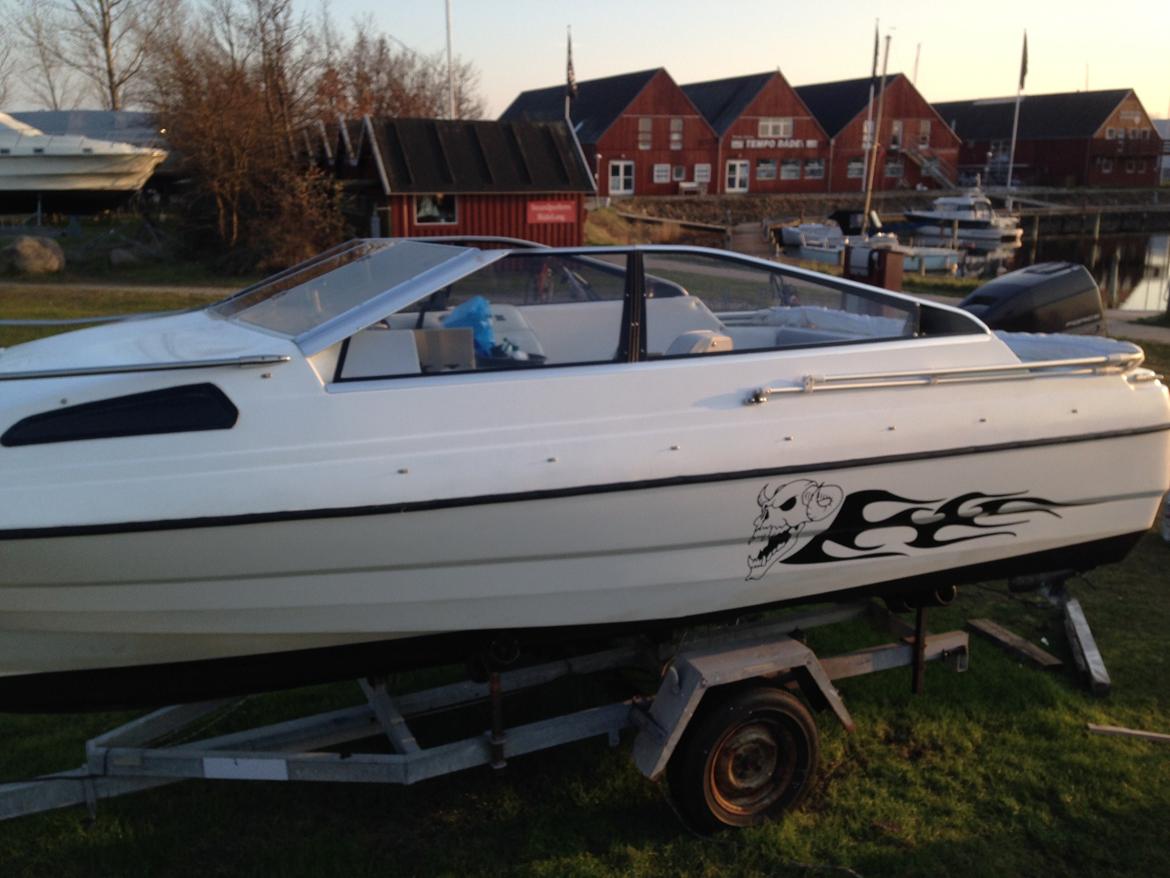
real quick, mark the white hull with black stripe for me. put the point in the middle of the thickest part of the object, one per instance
(334, 512)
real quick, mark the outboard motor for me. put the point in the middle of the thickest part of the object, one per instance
(1046, 297)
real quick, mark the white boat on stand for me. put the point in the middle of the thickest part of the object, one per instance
(402, 452)
(32, 161)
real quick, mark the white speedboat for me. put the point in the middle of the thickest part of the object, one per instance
(826, 243)
(967, 221)
(32, 161)
(402, 451)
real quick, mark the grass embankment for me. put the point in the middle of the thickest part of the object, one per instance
(992, 772)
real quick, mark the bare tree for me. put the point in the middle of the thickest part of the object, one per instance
(36, 31)
(375, 74)
(107, 41)
(7, 60)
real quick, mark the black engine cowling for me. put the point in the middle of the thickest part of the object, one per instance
(1046, 297)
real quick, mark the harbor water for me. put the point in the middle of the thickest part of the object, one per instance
(1133, 270)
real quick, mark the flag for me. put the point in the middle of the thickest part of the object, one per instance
(570, 76)
(1024, 62)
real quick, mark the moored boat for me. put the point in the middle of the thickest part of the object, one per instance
(404, 451)
(967, 221)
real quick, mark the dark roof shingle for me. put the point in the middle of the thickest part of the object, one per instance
(433, 155)
(597, 106)
(836, 104)
(1042, 117)
(722, 101)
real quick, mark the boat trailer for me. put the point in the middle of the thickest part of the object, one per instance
(726, 727)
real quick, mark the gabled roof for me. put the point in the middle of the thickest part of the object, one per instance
(836, 104)
(1042, 117)
(597, 106)
(433, 155)
(722, 101)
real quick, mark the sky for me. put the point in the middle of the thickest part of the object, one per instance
(968, 50)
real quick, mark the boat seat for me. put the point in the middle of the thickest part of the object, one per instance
(699, 341)
(380, 351)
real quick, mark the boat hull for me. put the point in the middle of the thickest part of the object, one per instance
(628, 555)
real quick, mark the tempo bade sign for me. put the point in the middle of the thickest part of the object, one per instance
(544, 212)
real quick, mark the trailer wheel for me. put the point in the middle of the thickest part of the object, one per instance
(744, 761)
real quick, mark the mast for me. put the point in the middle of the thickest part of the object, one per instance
(865, 157)
(1016, 119)
(876, 127)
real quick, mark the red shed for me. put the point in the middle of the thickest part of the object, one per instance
(915, 145)
(768, 139)
(642, 133)
(420, 177)
(1090, 138)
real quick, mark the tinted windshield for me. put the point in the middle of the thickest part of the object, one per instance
(340, 280)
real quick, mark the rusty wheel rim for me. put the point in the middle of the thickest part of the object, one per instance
(751, 767)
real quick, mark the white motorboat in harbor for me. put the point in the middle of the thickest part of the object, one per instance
(404, 451)
(827, 243)
(32, 161)
(967, 221)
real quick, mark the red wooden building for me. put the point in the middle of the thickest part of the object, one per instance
(768, 140)
(641, 132)
(425, 177)
(1092, 138)
(915, 145)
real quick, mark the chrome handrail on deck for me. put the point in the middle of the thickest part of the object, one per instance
(240, 362)
(1111, 363)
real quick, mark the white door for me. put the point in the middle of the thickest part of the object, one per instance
(737, 175)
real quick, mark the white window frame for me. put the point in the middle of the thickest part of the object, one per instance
(775, 126)
(787, 167)
(676, 132)
(923, 133)
(897, 166)
(814, 169)
(896, 134)
(678, 173)
(770, 169)
(661, 173)
(742, 175)
(622, 165)
(645, 132)
(1106, 166)
(703, 172)
(437, 222)
(855, 164)
(1110, 133)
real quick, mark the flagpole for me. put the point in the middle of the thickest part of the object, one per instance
(450, 69)
(1016, 120)
(874, 139)
(865, 157)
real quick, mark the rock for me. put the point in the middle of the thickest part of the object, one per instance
(31, 255)
(123, 257)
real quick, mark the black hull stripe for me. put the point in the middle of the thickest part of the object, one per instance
(556, 493)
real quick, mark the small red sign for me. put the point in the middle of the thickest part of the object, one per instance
(543, 212)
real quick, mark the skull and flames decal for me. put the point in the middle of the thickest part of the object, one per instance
(785, 512)
(875, 523)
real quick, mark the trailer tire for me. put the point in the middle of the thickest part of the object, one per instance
(744, 760)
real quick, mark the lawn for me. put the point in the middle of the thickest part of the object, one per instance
(991, 772)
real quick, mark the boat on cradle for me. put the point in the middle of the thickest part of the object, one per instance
(827, 243)
(405, 452)
(32, 161)
(967, 221)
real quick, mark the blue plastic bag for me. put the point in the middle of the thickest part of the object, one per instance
(475, 313)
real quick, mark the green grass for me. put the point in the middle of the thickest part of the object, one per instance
(991, 772)
(28, 304)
